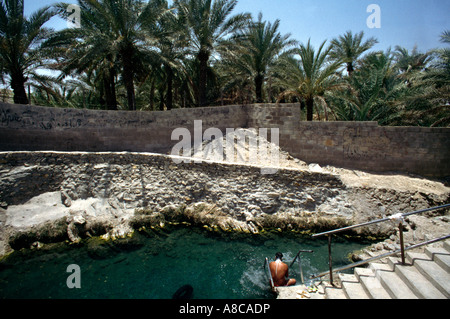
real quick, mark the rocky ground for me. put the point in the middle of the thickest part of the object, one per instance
(50, 196)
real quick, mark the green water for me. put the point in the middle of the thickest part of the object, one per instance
(154, 265)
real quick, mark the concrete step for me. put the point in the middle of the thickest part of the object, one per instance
(371, 284)
(440, 255)
(412, 277)
(395, 286)
(446, 245)
(353, 289)
(360, 272)
(379, 266)
(424, 276)
(432, 271)
(443, 261)
(335, 293)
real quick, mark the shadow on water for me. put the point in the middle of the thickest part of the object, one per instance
(184, 293)
(180, 263)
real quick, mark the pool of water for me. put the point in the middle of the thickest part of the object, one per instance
(155, 264)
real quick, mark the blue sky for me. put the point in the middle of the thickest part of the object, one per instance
(403, 22)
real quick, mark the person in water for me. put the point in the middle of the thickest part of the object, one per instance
(280, 272)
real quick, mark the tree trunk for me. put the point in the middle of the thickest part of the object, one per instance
(161, 101)
(259, 79)
(18, 86)
(127, 75)
(350, 68)
(169, 102)
(269, 91)
(309, 109)
(152, 94)
(129, 85)
(110, 91)
(203, 58)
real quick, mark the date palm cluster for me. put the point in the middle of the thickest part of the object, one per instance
(159, 55)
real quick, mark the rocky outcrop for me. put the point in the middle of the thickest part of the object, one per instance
(55, 196)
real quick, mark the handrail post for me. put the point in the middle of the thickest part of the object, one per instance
(330, 261)
(266, 262)
(301, 269)
(300, 262)
(402, 245)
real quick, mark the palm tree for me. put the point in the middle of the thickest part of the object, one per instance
(349, 48)
(259, 46)
(171, 41)
(440, 73)
(74, 93)
(311, 77)
(112, 38)
(430, 105)
(20, 39)
(410, 62)
(208, 22)
(411, 65)
(375, 92)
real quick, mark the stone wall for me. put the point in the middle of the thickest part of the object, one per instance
(108, 187)
(54, 196)
(358, 145)
(355, 145)
(33, 128)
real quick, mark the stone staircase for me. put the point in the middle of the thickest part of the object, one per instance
(425, 275)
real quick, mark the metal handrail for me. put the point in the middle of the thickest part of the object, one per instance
(363, 262)
(397, 217)
(377, 221)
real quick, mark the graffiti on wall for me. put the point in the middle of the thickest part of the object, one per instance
(32, 117)
(358, 143)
